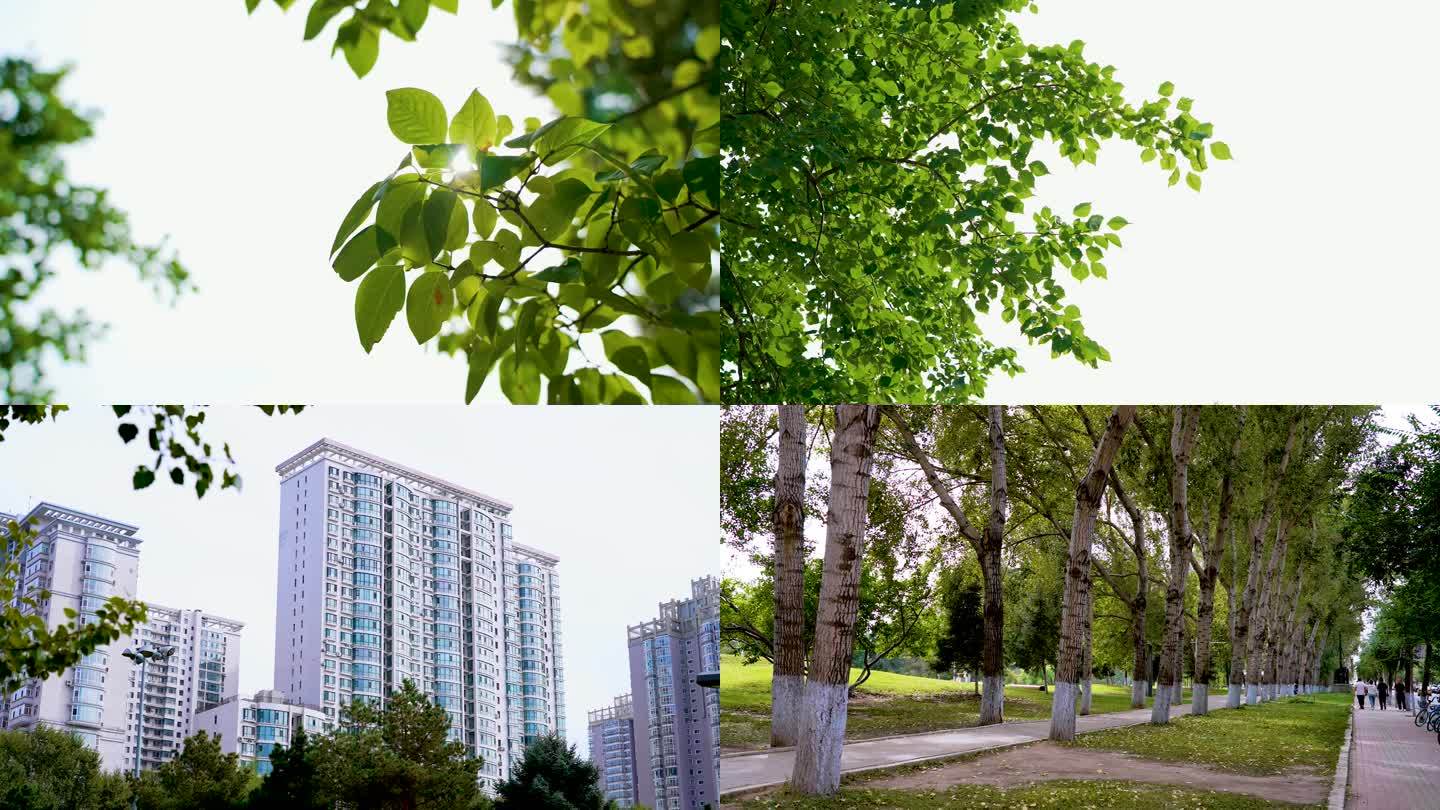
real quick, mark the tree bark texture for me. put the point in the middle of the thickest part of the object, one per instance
(787, 688)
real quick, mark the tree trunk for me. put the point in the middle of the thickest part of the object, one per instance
(1087, 658)
(988, 544)
(1210, 575)
(1185, 421)
(1077, 575)
(1139, 688)
(787, 688)
(992, 703)
(822, 726)
(1239, 640)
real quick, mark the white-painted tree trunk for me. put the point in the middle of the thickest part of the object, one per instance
(787, 695)
(1137, 694)
(1200, 698)
(1251, 693)
(1062, 724)
(822, 736)
(1160, 709)
(1085, 695)
(992, 696)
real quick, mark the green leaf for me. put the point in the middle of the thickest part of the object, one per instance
(564, 273)
(437, 155)
(481, 359)
(357, 214)
(552, 213)
(429, 304)
(707, 43)
(396, 200)
(474, 123)
(1082, 210)
(627, 353)
(1192, 180)
(1220, 150)
(560, 139)
(702, 176)
(439, 209)
(377, 301)
(362, 252)
(689, 246)
(128, 432)
(413, 13)
(1116, 223)
(773, 88)
(415, 244)
(520, 380)
(484, 218)
(361, 53)
(669, 391)
(495, 170)
(1167, 88)
(320, 14)
(415, 116)
(144, 477)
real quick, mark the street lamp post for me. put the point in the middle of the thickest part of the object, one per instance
(142, 657)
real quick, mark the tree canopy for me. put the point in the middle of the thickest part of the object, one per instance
(881, 194)
(51, 222)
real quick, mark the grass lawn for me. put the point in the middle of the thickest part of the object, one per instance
(1265, 739)
(1074, 794)
(886, 704)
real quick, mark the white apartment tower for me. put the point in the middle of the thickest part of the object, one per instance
(387, 574)
(83, 560)
(203, 670)
(251, 727)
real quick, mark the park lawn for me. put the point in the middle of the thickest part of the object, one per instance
(1302, 732)
(886, 704)
(1063, 795)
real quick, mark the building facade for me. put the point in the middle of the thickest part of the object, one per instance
(612, 749)
(83, 560)
(677, 722)
(388, 574)
(252, 726)
(204, 667)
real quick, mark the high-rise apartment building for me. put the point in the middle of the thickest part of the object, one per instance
(202, 671)
(252, 726)
(83, 560)
(677, 721)
(612, 750)
(387, 574)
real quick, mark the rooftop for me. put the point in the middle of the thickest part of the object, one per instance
(324, 446)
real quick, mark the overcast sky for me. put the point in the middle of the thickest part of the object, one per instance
(626, 498)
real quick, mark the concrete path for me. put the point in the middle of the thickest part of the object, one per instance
(744, 772)
(1393, 764)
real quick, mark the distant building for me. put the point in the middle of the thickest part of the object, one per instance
(253, 726)
(612, 750)
(204, 667)
(83, 560)
(403, 575)
(677, 722)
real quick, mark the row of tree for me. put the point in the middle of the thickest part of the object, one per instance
(391, 758)
(1134, 536)
(1392, 534)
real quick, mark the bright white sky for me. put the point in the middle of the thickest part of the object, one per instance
(1302, 272)
(626, 498)
(246, 145)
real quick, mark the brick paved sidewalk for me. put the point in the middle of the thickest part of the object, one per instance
(1393, 764)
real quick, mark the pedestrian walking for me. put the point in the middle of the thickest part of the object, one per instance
(1370, 693)
(1399, 695)
(1384, 688)
(1360, 694)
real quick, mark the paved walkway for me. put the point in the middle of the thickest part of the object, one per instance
(767, 768)
(1393, 764)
